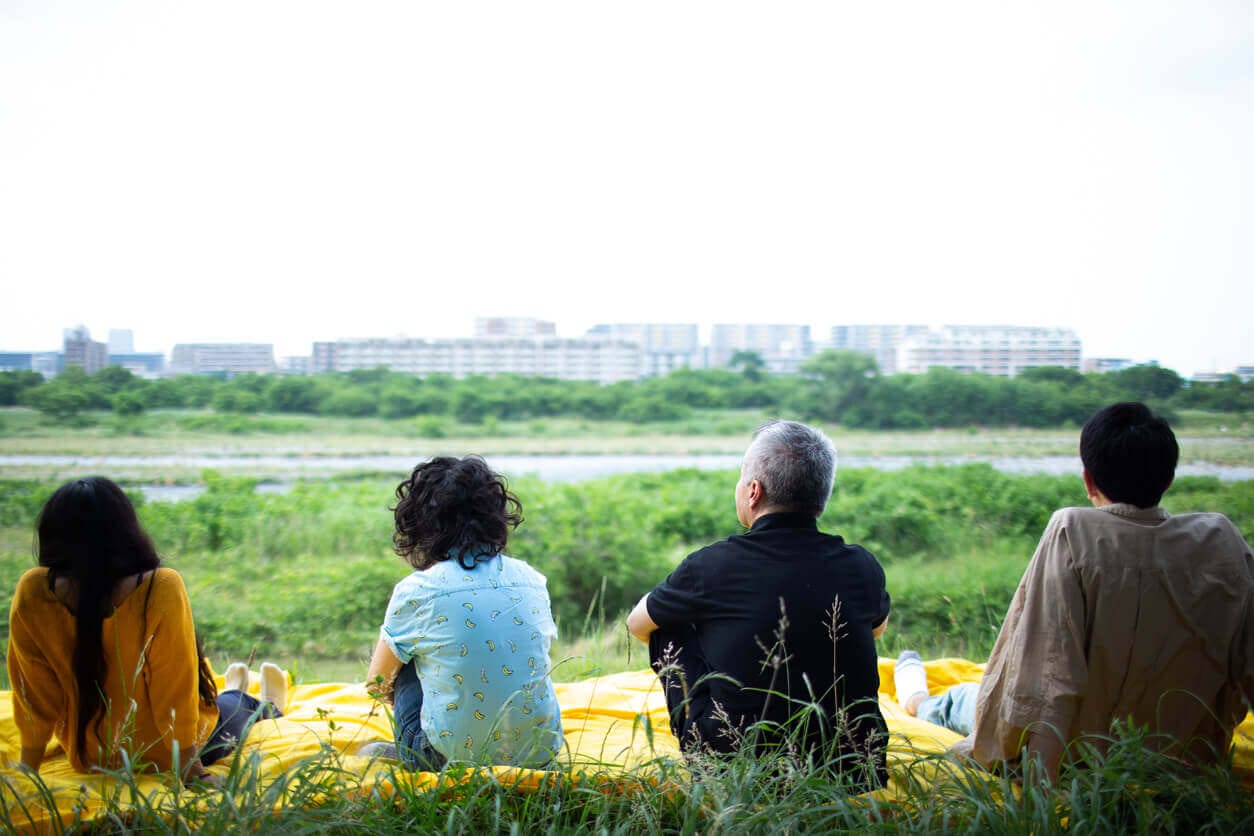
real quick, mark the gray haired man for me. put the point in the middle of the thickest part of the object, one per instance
(767, 639)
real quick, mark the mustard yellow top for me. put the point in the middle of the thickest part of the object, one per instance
(151, 700)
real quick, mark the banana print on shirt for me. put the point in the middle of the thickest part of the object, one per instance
(451, 622)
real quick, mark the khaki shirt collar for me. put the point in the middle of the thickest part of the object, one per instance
(1124, 509)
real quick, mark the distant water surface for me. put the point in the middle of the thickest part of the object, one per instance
(550, 468)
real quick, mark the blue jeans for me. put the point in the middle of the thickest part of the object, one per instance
(415, 751)
(236, 713)
(954, 709)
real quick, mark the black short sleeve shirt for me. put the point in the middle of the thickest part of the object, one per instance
(764, 607)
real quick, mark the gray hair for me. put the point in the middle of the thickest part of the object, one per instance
(795, 464)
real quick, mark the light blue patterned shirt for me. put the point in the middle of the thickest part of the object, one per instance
(480, 639)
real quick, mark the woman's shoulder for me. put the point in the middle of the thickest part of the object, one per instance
(167, 581)
(165, 576)
(33, 582)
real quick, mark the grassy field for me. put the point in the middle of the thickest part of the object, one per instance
(303, 577)
(1222, 440)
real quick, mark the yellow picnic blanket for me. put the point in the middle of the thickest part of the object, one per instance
(606, 722)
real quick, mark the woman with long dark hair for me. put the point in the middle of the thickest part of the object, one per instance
(103, 652)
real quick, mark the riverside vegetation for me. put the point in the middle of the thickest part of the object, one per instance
(302, 576)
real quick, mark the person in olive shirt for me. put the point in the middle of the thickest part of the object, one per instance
(767, 639)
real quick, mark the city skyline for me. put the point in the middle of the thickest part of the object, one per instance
(663, 347)
(300, 172)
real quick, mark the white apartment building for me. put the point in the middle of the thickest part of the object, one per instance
(600, 360)
(222, 358)
(781, 347)
(1107, 364)
(991, 349)
(148, 365)
(879, 341)
(665, 347)
(515, 327)
(1243, 373)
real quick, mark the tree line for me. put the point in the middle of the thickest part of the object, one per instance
(842, 387)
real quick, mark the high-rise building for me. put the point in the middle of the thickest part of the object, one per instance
(82, 351)
(222, 358)
(781, 347)
(665, 347)
(991, 349)
(879, 341)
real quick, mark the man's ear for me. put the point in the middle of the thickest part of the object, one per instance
(1090, 485)
(753, 493)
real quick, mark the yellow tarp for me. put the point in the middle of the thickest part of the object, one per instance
(604, 720)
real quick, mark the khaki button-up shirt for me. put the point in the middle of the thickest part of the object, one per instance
(1125, 613)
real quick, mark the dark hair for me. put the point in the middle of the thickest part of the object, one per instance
(1130, 453)
(453, 508)
(88, 532)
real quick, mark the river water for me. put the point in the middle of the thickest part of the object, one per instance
(554, 468)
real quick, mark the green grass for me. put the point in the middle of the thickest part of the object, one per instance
(1205, 437)
(1127, 788)
(303, 579)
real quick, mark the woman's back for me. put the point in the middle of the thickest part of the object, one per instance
(150, 690)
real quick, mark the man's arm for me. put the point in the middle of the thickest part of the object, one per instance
(639, 623)
(1038, 670)
(878, 629)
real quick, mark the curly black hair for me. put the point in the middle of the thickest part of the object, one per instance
(453, 508)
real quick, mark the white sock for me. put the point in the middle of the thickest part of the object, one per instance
(274, 685)
(236, 677)
(909, 676)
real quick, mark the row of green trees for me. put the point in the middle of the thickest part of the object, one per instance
(835, 386)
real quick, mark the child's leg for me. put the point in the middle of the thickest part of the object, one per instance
(415, 751)
(954, 709)
(910, 681)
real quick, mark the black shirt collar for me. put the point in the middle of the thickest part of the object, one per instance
(785, 519)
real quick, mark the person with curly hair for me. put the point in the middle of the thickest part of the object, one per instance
(463, 652)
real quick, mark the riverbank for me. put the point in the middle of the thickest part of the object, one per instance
(175, 447)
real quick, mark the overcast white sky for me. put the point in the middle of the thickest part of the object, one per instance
(295, 171)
